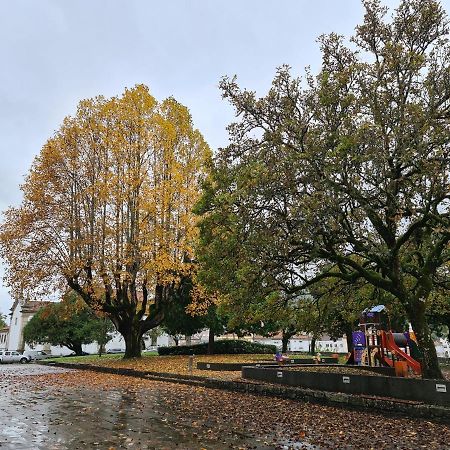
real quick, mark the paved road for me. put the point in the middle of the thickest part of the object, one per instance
(20, 370)
(53, 409)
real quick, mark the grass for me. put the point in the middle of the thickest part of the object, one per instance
(93, 358)
(178, 364)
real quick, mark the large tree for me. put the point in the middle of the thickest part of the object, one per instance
(107, 210)
(69, 323)
(344, 175)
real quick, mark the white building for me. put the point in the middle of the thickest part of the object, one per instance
(22, 311)
(4, 332)
(302, 343)
(442, 348)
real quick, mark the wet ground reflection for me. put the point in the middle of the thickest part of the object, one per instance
(47, 417)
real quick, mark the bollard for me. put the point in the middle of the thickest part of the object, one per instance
(190, 363)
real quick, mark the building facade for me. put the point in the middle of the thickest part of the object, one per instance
(22, 311)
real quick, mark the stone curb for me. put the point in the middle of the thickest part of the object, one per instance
(393, 406)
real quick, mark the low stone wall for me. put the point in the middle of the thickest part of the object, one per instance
(434, 392)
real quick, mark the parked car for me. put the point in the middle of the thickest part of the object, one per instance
(8, 356)
(82, 354)
(112, 351)
(37, 355)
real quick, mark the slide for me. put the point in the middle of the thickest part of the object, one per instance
(389, 343)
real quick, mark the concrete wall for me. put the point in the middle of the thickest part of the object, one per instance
(434, 392)
(15, 330)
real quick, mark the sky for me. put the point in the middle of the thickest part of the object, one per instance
(55, 53)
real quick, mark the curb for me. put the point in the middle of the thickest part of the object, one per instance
(380, 404)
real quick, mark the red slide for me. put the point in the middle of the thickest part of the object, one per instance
(389, 343)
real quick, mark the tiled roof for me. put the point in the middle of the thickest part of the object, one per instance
(33, 306)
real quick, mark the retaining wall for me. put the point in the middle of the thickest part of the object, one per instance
(434, 392)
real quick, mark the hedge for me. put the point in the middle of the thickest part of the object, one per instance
(227, 347)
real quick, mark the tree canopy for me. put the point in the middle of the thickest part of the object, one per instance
(177, 321)
(107, 210)
(342, 175)
(69, 323)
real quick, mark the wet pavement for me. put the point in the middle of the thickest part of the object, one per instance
(36, 412)
(47, 408)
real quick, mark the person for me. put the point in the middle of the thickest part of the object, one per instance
(279, 358)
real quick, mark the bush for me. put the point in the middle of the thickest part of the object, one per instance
(228, 347)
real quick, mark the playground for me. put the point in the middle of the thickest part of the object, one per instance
(382, 363)
(373, 345)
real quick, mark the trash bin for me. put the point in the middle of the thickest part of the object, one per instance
(401, 368)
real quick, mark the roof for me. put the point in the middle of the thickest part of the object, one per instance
(33, 306)
(27, 306)
(375, 309)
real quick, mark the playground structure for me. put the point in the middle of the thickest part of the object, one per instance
(373, 345)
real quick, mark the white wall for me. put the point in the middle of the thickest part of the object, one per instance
(303, 345)
(3, 340)
(443, 348)
(15, 328)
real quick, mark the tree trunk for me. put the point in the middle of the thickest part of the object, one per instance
(211, 342)
(133, 342)
(430, 363)
(188, 340)
(77, 348)
(312, 347)
(349, 337)
(285, 341)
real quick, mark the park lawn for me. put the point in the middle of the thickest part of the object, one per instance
(178, 364)
(168, 364)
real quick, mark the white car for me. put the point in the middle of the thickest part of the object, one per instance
(8, 356)
(36, 355)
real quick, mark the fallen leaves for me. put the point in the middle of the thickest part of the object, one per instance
(146, 412)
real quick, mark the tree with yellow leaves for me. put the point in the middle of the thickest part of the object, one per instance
(107, 210)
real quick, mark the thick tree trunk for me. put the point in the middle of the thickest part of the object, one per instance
(211, 342)
(285, 341)
(77, 348)
(312, 346)
(133, 342)
(430, 363)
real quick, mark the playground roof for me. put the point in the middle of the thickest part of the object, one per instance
(375, 309)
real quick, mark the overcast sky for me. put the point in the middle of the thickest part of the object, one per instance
(55, 53)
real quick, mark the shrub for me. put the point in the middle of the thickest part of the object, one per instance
(228, 347)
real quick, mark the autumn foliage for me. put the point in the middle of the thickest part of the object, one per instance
(107, 210)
